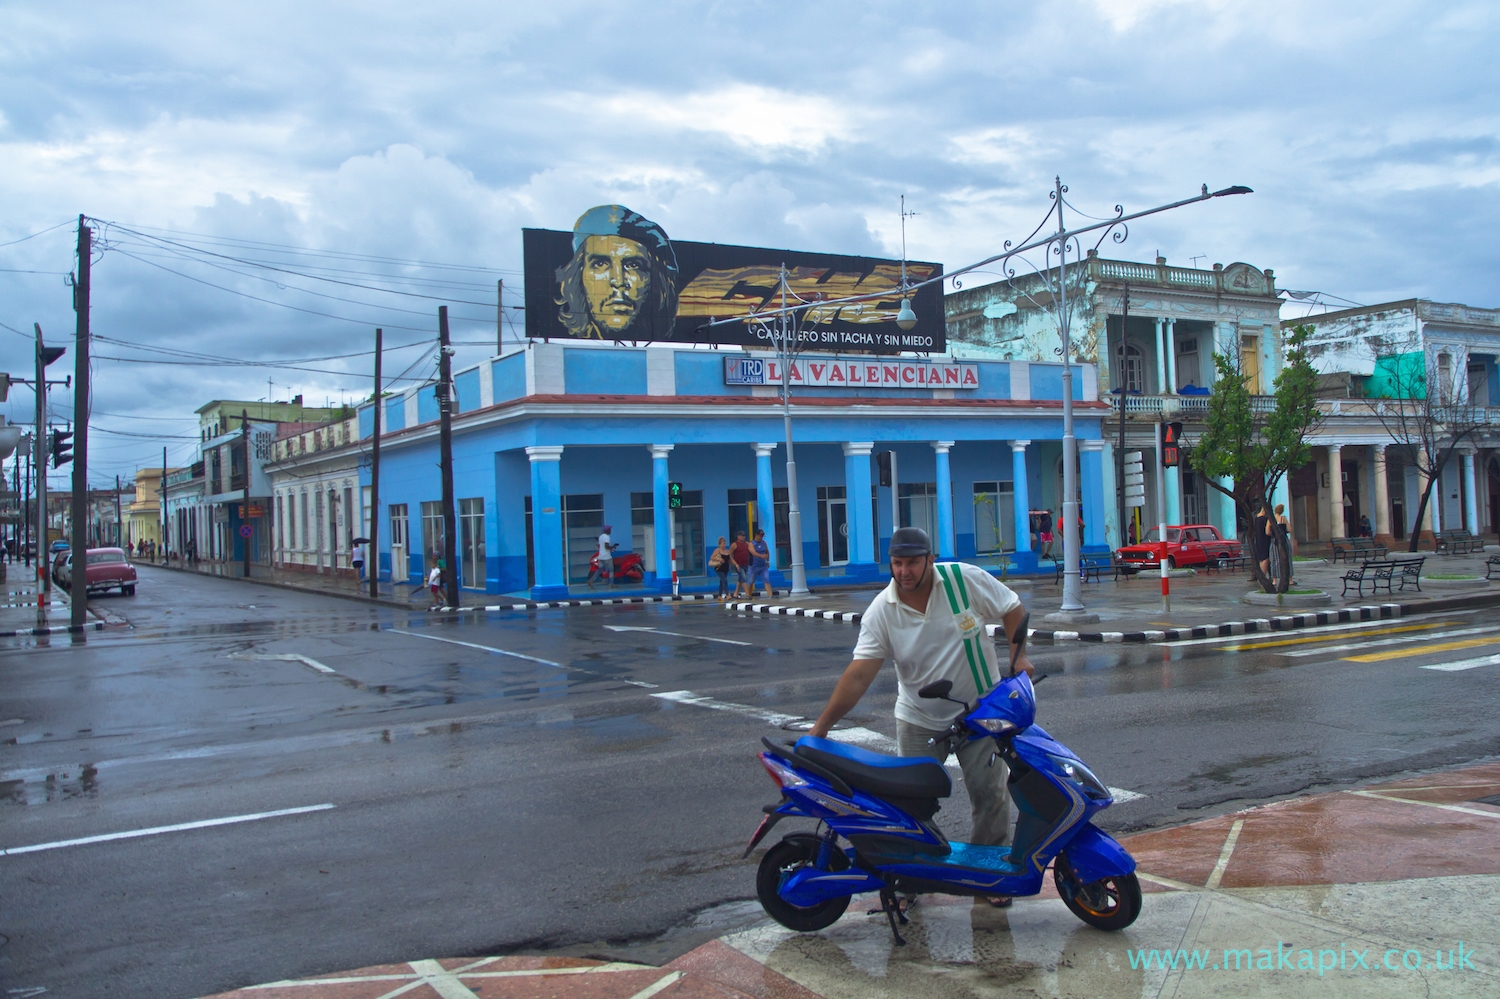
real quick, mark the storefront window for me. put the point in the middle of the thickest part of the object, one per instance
(919, 506)
(994, 509)
(583, 522)
(691, 555)
(643, 528)
(833, 526)
(743, 515)
(471, 539)
(783, 528)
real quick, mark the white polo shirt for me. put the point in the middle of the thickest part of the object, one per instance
(928, 647)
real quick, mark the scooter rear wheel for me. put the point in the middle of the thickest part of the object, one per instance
(1110, 903)
(786, 858)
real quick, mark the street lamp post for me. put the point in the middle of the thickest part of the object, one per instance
(785, 352)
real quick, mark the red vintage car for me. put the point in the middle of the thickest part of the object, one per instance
(108, 568)
(1186, 545)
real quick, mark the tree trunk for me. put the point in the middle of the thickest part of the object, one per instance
(1416, 527)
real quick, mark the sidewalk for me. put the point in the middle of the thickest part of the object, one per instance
(1204, 604)
(1388, 889)
(18, 611)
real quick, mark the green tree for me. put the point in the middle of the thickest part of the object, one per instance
(1253, 441)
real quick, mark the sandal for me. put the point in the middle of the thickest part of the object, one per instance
(999, 901)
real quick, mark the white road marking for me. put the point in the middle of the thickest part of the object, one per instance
(762, 714)
(855, 734)
(675, 634)
(1353, 627)
(1224, 855)
(440, 980)
(519, 655)
(1465, 664)
(1423, 637)
(158, 830)
(657, 986)
(293, 658)
(1430, 804)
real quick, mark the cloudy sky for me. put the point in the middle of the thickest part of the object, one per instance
(375, 134)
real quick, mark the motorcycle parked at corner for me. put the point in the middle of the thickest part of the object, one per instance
(882, 807)
(628, 569)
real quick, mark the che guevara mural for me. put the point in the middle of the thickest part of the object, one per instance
(618, 276)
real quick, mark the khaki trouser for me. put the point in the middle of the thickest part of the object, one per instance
(988, 796)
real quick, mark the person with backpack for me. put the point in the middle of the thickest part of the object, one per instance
(931, 622)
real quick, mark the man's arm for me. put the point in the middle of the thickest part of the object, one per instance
(851, 687)
(1012, 622)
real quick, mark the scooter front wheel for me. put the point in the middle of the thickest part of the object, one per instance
(784, 859)
(1110, 903)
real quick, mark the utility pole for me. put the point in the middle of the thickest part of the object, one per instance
(44, 576)
(793, 511)
(26, 514)
(119, 524)
(1120, 451)
(161, 495)
(80, 590)
(374, 560)
(445, 456)
(1072, 598)
(1161, 524)
(245, 517)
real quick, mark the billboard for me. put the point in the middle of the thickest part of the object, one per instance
(617, 276)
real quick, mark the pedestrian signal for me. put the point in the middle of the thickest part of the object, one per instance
(62, 447)
(674, 495)
(1171, 445)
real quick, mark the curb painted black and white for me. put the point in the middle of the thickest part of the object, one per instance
(665, 598)
(1288, 622)
(59, 630)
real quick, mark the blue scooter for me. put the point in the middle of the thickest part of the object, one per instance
(882, 806)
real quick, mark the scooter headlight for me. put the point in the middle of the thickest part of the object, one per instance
(996, 726)
(1081, 776)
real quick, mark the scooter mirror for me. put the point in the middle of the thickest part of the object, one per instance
(936, 689)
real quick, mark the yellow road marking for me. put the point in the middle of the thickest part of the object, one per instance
(1375, 657)
(1305, 639)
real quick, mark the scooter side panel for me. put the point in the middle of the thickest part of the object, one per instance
(1095, 854)
(810, 886)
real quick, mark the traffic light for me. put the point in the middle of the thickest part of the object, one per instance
(1171, 445)
(883, 459)
(62, 447)
(674, 495)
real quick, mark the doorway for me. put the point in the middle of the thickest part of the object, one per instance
(833, 526)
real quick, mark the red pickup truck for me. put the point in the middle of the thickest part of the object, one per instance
(1186, 545)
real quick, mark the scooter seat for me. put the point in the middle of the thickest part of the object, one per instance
(878, 774)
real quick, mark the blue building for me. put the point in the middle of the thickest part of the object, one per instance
(553, 441)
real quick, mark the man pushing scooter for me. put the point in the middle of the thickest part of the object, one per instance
(931, 622)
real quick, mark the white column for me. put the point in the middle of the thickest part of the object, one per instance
(1336, 491)
(1161, 357)
(1470, 496)
(1171, 340)
(1382, 494)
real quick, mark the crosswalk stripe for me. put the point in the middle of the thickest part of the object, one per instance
(1467, 643)
(1389, 641)
(1307, 639)
(1465, 664)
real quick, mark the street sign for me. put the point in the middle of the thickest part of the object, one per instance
(1135, 480)
(255, 511)
(1171, 445)
(674, 495)
(246, 530)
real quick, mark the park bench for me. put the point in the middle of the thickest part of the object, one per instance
(1350, 549)
(1376, 574)
(1228, 561)
(1458, 542)
(1490, 565)
(1089, 565)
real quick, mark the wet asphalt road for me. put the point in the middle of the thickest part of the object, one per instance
(528, 787)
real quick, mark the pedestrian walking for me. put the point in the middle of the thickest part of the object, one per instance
(606, 558)
(760, 563)
(1261, 533)
(931, 622)
(1284, 529)
(1044, 529)
(435, 585)
(721, 562)
(740, 552)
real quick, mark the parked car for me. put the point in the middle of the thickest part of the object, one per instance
(1185, 545)
(107, 569)
(59, 559)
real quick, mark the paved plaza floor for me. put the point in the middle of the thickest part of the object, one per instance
(1389, 889)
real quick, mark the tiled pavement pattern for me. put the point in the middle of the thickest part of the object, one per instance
(1401, 873)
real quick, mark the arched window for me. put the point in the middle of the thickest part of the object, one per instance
(1132, 371)
(1445, 378)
